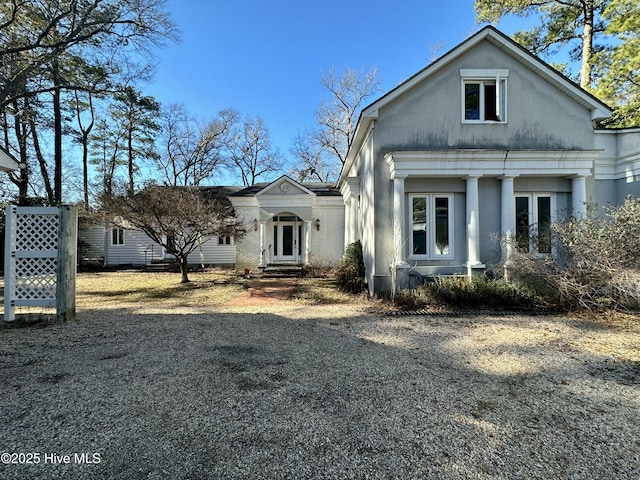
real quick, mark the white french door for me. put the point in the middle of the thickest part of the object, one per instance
(287, 239)
(534, 216)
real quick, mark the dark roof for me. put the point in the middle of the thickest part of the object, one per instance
(320, 189)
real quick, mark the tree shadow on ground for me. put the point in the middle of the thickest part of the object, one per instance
(312, 394)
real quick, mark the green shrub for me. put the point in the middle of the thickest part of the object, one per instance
(350, 271)
(477, 292)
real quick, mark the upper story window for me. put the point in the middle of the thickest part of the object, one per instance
(484, 95)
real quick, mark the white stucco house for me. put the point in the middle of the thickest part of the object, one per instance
(486, 140)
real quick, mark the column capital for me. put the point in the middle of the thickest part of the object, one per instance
(395, 176)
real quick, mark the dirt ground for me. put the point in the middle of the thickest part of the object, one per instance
(338, 391)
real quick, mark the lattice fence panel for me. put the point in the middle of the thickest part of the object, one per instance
(37, 231)
(31, 257)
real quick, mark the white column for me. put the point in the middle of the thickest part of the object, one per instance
(398, 220)
(508, 217)
(263, 249)
(307, 241)
(354, 219)
(348, 220)
(473, 225)
(579, 196)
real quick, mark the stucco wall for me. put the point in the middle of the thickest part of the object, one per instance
(248, 248)
(327, 244)
(620, 165)
(429, 117)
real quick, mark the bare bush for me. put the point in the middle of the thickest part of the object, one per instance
(595, 260)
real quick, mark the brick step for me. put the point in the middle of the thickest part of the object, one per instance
(282, 270)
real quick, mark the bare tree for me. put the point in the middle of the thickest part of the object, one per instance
(33, 34)
(313, 164)
(326, 147)
(193, 151)
(338, 116)
(46, 49)
(176, 218)
(250, 150)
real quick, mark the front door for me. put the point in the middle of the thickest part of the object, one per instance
(286, 239)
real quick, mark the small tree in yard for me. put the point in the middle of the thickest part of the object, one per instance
(177, 218)
(596, 260)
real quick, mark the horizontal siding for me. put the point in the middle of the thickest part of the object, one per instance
(93, 242)
(133, 250)
(214, 254)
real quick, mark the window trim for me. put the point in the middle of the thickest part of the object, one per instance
(225, 240)
(431, 219)
(497, 77)
(117, 233)
(534, 215)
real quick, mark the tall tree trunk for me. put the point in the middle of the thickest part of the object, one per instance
(42, 162)
(57, 140)
(85, 132)
(587, 45)
(22, 179)
(130, 155)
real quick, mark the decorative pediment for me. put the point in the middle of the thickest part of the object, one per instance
(285, 186)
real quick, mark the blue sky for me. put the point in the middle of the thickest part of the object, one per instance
(266, 58)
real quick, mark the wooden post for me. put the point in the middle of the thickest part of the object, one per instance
(9, 261)
(67, 260)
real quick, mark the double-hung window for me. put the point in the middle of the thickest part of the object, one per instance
(484, 95)
(431, 223)
(224, 240)
(534, 215)
(117, 236)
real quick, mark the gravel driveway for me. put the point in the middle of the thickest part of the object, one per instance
(319, 392)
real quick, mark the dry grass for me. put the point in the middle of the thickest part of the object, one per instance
(126, 289)
(161, 291)
(323, 291)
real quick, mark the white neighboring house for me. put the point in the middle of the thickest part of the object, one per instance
(117, 246)
(287, 223)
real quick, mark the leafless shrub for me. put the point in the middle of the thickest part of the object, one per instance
(595, 260)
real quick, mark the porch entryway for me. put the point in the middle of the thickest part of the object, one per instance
(285, 240)
(288, 239)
